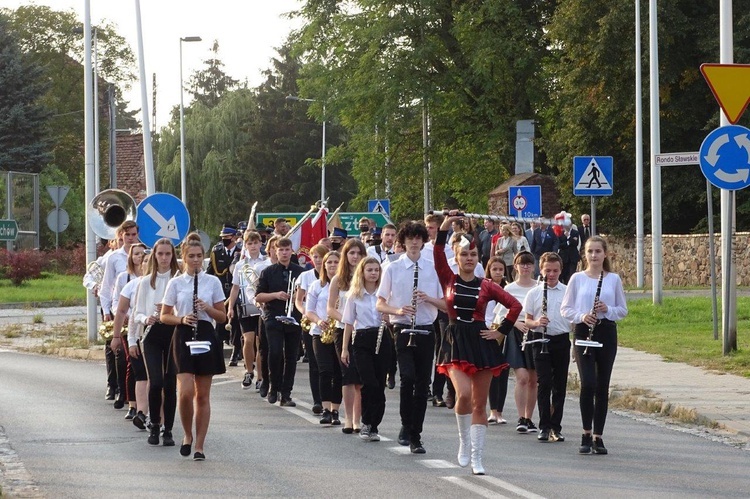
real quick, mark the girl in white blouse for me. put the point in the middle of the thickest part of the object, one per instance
(596, 315)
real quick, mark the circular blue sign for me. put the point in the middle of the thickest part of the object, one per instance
(725, 157)
(162, 215)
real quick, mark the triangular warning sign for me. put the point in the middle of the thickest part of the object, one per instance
(730, 84)
(379, 208)
(593, 178)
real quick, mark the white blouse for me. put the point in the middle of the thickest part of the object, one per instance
(317, 301)
(148, 297)
(179, 294)
(579, 297)
(360, 312)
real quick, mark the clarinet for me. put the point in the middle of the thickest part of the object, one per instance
(195, 305)
(593, 310)
(544, 314)
(412, 332)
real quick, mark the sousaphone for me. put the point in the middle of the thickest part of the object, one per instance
(108, 210)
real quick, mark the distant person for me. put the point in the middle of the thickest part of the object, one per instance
(569, 253)
(544, 240)
(485, 241)
(584, 233)
(385, 248)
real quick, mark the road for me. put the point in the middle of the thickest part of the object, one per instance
(73, 444)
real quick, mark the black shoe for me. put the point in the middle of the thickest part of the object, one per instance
(199, 456)
(347, 431)
(263, 389)
(391, 382)
(111, 392)
(288, 402)
(305, 359)
(403, 436)
(247, 381)
(415, 446)
(438, 402)
(530, 427)
(273, 397)
(598, 447)
(543, 435)
(131, 413)
(556, 436)
(317, 409)
(185, 449)
(327, 417)
(232, 363)
(429, 395)
(335, 421)
(167, 440)
(140, 421)
(119, 403)
(521, 426)
(586, 443)
(153, 438)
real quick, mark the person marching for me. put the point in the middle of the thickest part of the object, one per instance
(369, 352)
(410, 293)
(264, 379)
(352, 252)
(542, 307)
(594, 300)
(223, 256)
(252, 264)
(329, 368)
(191, 302)
(157, 339)
(470, 353)
(495, 271)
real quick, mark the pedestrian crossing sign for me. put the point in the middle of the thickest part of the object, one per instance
(592, 175)
(382, 206)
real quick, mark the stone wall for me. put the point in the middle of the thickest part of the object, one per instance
(685, 260)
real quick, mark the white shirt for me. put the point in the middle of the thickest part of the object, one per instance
(148, 297)
(120, 282)
(383, 256)
(317, 301)
(117, 262)
(361, 312)
(305, 279)
(533, 306)
(519, 293)
(429, 249)
(257, 264)
(179, 294)
(396, 288)
(130, 291)
(579, 298)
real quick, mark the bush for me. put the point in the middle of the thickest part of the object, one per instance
(22, 265)
(66, 261)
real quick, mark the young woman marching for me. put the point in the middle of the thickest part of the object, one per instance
(371, 344)
(352, 252)
(470, 353)
(329, 368)
(593, 302)
(157, 339)
(192, 302)
(495, 271)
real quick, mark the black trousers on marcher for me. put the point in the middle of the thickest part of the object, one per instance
(552, 375)
(595, 371)
(329, 370)
(162, 373)
(373, 370)
(415, 367)
(440, 380)
(283, 352)
(312, 364)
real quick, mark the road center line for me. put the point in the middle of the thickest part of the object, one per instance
(471, 487)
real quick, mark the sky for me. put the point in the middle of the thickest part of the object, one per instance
(248, 31)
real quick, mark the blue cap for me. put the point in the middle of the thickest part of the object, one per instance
(241, 226)
(228, 230)
(339, 232)
(376, 231)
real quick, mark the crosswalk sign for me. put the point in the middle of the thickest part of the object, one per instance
(592, 175)
(379, 206)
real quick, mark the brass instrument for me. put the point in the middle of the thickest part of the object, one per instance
(327, 333)
(250, 277)
(305, 324)
(589, 342)
(412, 332)
(108, 210)
(94, 274)
(289, 318)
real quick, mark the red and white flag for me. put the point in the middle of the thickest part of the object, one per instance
(310, 232)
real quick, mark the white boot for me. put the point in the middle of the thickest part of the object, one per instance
(464, 439)
(478, 432)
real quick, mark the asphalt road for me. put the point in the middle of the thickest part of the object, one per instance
(73, 444)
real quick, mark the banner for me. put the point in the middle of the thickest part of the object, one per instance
(312, 230)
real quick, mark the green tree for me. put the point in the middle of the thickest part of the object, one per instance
(211, 83)
(24, 119)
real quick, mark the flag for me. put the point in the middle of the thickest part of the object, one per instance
(312, 230)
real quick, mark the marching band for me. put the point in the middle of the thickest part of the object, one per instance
(351, 312)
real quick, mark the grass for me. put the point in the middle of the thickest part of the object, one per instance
(681, 330)
(66, 289)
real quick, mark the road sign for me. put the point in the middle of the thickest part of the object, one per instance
(725, 157)
(730, 84)
(8, 230)
(350, 221)
(592, 175)
(162, 215)
(58, 220)
(525, 201)
(267, 219)
(677, 159)
(379, 206)
(58, 193)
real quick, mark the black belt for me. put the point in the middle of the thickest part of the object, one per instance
(368, 330)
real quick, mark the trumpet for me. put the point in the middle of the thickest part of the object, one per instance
(589, 342)
(288, 318)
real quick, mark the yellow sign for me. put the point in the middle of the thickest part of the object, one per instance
(730, 84)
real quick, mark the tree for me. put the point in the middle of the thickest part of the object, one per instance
(24, 120)
(210, 84)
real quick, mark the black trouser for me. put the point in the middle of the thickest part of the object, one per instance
(157, 352)
(116, 368)
(129, 373)
(393, 367)
(440, 380)
(499, 391)
(235, 338)
(373, 370)
(314, 375)
(329, 370)
(263, 350)
(552, 375)
(415, 366)
(595, 371)
(283, 349)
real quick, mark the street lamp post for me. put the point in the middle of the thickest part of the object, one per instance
(323, 153)
(183, 173)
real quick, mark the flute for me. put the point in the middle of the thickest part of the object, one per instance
(195, 305)
(380, 336)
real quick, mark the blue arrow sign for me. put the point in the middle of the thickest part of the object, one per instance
(592, 175)
(725, 157)
(379, 206)
(162, 215)
(525, 201)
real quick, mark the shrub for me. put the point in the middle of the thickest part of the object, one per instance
(23, 265)
(66, 261)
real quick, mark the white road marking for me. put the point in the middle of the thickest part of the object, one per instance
(438, 463)
(471, 487)
(510, 487)
(226, 382)
(304, 415)
(401, 449)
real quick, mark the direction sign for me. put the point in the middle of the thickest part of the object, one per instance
(350, 221)
(725, 157)
(379, 206)
(525, 201)
(8, 230)
(267, 219)
(592, 175)
(677, 159)
(162, 215)
(730, 84)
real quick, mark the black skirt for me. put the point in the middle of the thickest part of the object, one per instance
(464, 348)
(209, 363)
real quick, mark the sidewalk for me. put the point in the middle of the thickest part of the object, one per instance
(720, 398)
